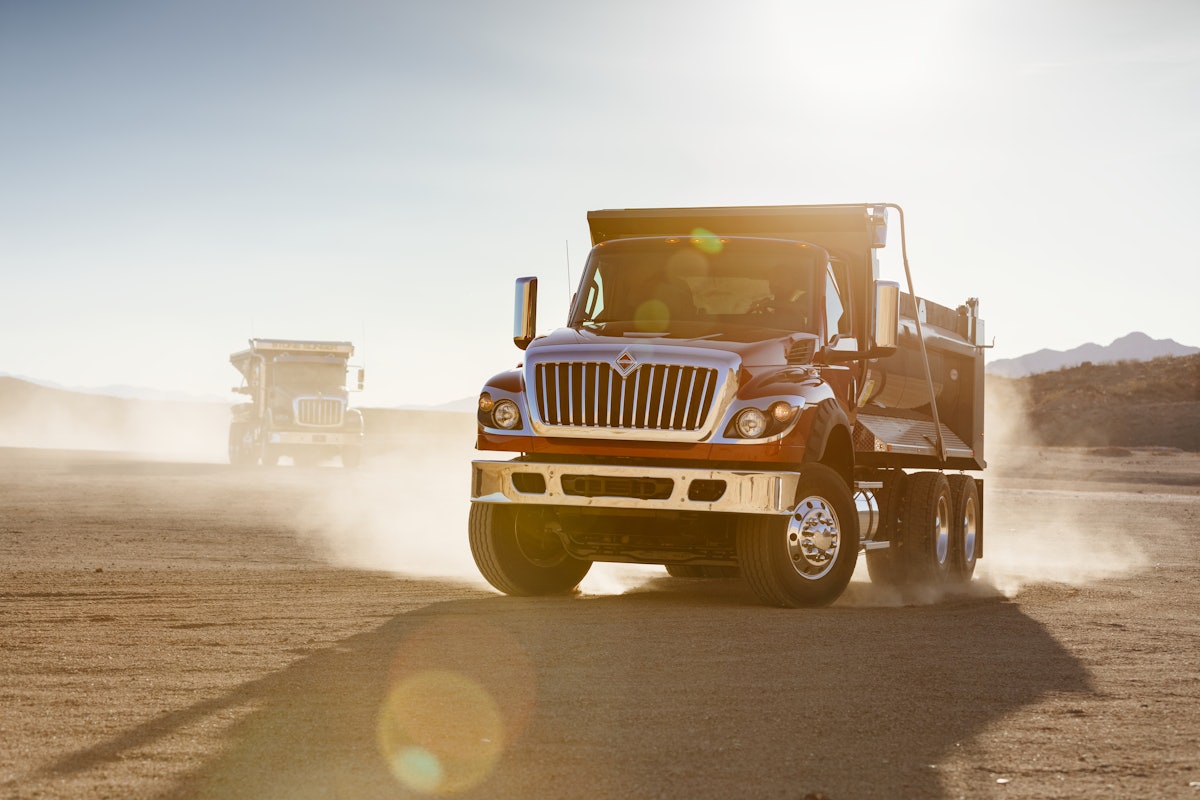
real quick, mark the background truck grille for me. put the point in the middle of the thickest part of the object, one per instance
(653, 397)
(323, 411)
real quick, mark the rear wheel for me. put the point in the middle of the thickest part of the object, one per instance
(925, 528)
(964, 528)
(518, 554)
(806, 559)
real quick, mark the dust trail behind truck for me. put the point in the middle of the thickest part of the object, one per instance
(736, 392)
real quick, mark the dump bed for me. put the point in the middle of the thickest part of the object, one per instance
(270, 348)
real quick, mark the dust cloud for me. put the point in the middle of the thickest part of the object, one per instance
(39, 417)
(1043, 522)
(405, 511)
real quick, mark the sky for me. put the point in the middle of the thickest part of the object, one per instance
(176, 178)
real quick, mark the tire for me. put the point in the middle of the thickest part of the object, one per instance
(518, 556)
(268, 455)
(886, 567)
(964, 527)
(701, 571)
(925, 529)
(803, 560)
(241, 445)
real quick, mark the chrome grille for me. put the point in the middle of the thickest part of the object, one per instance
(663, 397)
(319, 411)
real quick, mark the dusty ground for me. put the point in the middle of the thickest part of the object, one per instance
(178, 630)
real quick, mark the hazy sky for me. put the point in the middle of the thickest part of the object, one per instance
(176, 177)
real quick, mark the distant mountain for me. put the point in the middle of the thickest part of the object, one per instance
(1136, 346)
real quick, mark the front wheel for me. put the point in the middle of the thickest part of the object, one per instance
(804, 560)
(241, 445)
(518, 553)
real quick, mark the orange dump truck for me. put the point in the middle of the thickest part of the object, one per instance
(736, 392)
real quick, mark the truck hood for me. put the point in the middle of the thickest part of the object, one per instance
(754, 347)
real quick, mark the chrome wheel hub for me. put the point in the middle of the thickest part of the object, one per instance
(969, 526)
(813, 538)
(941, 532)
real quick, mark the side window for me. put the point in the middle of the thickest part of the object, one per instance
(593, 304)
(836, 318)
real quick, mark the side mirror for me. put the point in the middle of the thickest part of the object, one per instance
(362, 376)
(525, 317)
(885, 325)
(885, 329)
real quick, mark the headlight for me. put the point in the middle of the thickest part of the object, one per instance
(750, 423)
(506, 415)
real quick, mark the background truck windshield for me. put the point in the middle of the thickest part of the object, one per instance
(310, 373)
(656, 285)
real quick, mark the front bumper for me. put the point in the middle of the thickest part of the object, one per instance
(332, 438)
(633, 487)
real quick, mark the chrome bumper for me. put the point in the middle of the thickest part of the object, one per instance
(743, 492)
(305, 437)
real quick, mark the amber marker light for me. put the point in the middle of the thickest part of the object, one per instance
(485, 402)
(781, 411)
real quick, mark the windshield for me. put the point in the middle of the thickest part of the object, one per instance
(309, 373)
(660, 285)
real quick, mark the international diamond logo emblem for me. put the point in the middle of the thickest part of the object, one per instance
(625, 364)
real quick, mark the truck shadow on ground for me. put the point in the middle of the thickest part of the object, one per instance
(674, 690)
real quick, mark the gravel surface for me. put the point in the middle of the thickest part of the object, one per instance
(181, 630)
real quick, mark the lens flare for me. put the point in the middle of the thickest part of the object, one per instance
(440, 732)
(706, 241)
(652, 316)
(461, 692)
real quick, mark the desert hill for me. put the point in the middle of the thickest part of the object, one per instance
(1135, 346)
(1127, 404)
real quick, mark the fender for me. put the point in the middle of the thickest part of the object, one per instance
(828, 419)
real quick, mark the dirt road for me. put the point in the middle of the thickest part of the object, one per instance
(173, 630)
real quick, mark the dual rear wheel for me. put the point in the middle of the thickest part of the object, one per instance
(932, 523)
